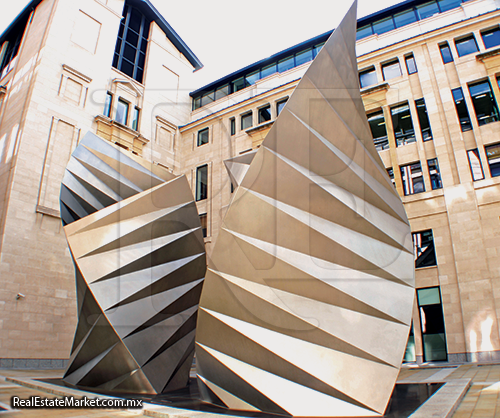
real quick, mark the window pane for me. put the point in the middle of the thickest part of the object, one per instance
(484, 103)
(303, 57)
(428, 296)
(232, 123)
(317, 48)
(390, 172)
(246, 121)
(445, 5)
(121, 112)
(201, 182)
(222, 92)
(252, 78)
(238, 84)
(466, 46)
(267, 71)
(413, 180)
(491, 38)
(411, 66)
(107, 105)
(203, 222)
(427, 10)
(379, 132)
(462, 112)
(368, 78)
(423, 120)
(364, 32)
(202, 137)
(446, 53)
(127, 68)
(280, 105)
(405, 18)
(434, 174)
(285, 64)
(493, 155)
(265, 114)
(403, 126)
(475, 165)
(383, 26)
(135, 118)
(207, 98)
(135, 19)
(391, 70)
(196, 103)
(132, 38)
(423, 249)
(432, 324)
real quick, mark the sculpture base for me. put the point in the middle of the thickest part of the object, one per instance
(405, 400)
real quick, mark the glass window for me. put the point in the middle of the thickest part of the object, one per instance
(445, 5)
(383, 26)
(207, 98)
(121, 111)
(390, 172)
(475, 165)
(268, 70)
(203, 222)
(196, 102)
(367, 78)
(423, 249)
(202, 137)
(493, 155)
(484, 102)
(364, 32)
(107, 105)
(285, 64)
(411, 65)
(491, 37)
(432, 323)
(131, 44)
(434, 174)
(466, 46)
(280, 105)
(410, 355)
(446, 53)
(462, 112)
(246, 121)
(403, 126)
(391, 70)
(232, 124)
(427, 9)
(238, 84)
(413, 180)
(135, 118)
(405, 18)
(252, 78)
(423, 120)
(379, 132)
(201, 182)
(265, 114)
(317, 48)
(222, 92)
(303, 57)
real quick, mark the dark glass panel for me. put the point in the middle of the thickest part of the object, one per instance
(462, 112)
(265, 114)
(434, 174)
(427, 9)
(202, 137)
(491, 38)
(383, 26)
(484, 103)
(201, 182)
(445, 5)
(252, 78)
(412, 178)
(493, 155)
(364, 32)
(379, 132)
(446, 53)
(402, 123)
(285, 64)
(423, 249)
(466, 46)
(303, 57)
(222, 92)
(268, 70)
(280, 105)
(423, 120)
(238, 84)
(127, 68)
(132, 38)
(405, 18)
(135, 20)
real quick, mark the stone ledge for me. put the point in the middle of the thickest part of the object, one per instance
(44, 210)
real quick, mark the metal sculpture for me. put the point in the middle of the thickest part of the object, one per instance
(135, 237)
(307, 302)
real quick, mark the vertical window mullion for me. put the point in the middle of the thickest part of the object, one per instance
(138, 50)
(124, 37)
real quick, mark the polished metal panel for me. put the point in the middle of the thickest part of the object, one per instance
(135, 237)
(307, 302)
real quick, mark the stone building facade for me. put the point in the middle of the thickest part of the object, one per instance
(428, 73)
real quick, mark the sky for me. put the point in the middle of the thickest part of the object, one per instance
(227, 35)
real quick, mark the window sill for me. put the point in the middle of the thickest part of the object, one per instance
(257, 128)
(488, 54)
(425, 268)
(373, 89)
(116, 132)
(423, 195)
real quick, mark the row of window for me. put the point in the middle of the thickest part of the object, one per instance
(122, 111)
(246, 121)
(407, 17)
(465, 45)
(413, 179)
(282, 65)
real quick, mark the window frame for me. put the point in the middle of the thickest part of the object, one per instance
(436, 180)
(232, 126)
(495, 172)
(201, 139)
(406, 175)
(259, 113)
(490, 31)
(461, 41)
(368, 72)
(279, 103)
(381, 142)
(416, 248)
(461, 109)
(446, 46)
(201, 192)
(108, 105)
(423, 119)
(402, 138)
(136, 114)
(412, 58)
(388, 64)
(121, 100)
(484, 120)
(204, 230)
(475, 152)
(243, 117)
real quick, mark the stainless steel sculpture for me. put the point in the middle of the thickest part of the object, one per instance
(307, 303)
(135, 238)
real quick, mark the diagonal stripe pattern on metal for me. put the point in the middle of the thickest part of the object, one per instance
(135, 237)
(307, 302)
